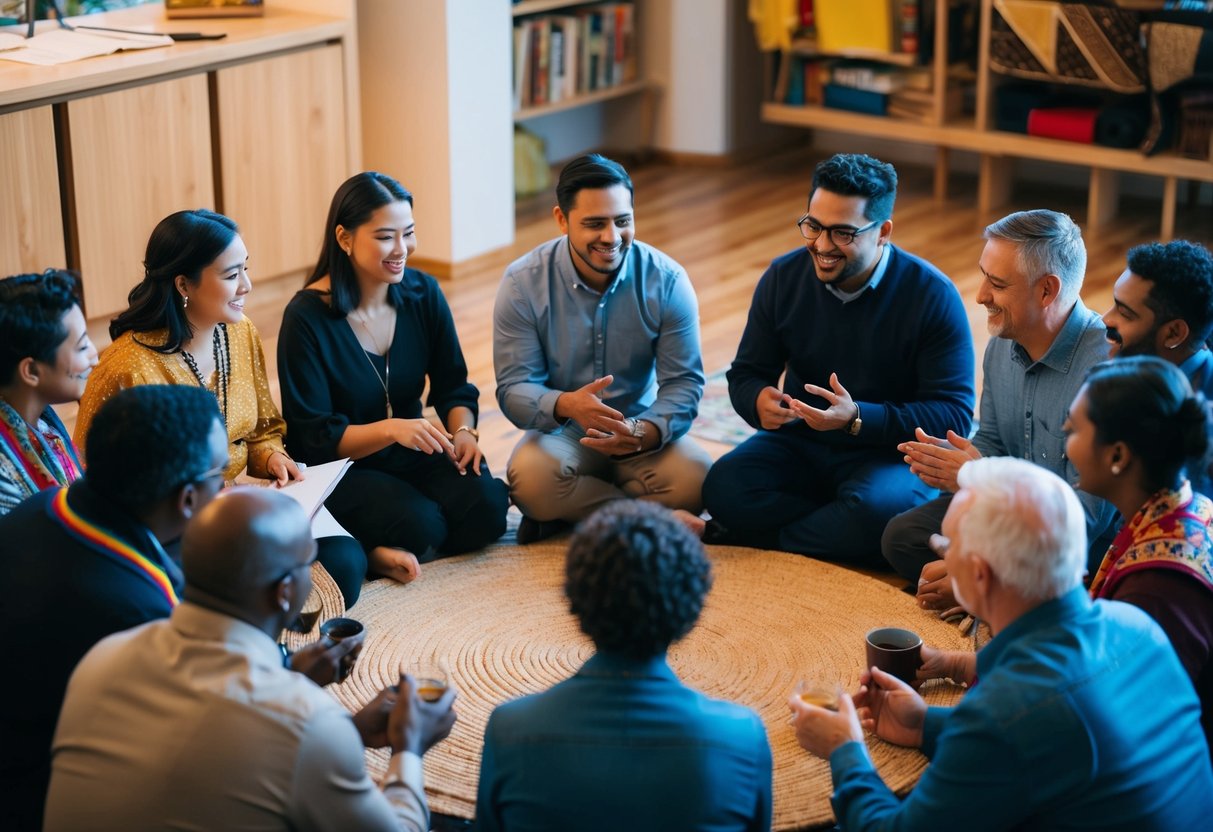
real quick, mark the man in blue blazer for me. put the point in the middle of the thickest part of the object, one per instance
(623, 744)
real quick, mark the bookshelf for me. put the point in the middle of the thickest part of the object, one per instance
(998, 151)
(573, 54)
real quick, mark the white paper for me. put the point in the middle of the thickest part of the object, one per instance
(318, 483)
(61, 46)
(9, 41)
(326, 525)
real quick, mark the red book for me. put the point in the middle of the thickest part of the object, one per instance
(1071, 124)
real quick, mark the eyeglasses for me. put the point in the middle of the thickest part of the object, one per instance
(308, 563)
(840, 235)
(211, 474)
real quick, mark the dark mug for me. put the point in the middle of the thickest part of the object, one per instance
(895, 651)
(338, 630)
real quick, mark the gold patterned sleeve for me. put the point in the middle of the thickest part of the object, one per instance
(266, 427)
(121, 365)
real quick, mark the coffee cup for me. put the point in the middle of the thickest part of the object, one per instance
(339, 629)
(896, 651)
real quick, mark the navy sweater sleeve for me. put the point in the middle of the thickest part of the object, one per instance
(903, 350)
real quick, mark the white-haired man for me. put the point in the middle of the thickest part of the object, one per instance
(1083, 717)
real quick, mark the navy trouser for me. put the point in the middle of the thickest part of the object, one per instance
(427, 507)
(786, 491)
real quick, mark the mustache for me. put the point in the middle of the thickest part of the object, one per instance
(1114, 335)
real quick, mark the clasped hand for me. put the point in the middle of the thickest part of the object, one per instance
(606, 429)
(936, 461)
(422, 435)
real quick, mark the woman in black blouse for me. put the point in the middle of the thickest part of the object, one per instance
(356, 348)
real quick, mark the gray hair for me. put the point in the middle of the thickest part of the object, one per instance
(1027, 523)
(1048, 242)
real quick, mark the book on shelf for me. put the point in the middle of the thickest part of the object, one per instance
(563, 55)
(841, 97)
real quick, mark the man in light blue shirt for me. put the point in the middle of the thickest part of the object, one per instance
(596, 350)
(1081, 716)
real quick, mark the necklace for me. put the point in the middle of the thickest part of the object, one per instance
(386, 378)
(223, 365)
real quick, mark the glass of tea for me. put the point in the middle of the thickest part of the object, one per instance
(308, 616)
(818, 693)
(430, 676)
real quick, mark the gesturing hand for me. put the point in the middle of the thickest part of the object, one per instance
(936, 461)
(838, 415)
(584, 406)
(774, 408)
(890, 708)
(421, 435)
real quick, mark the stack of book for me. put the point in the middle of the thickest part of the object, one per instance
(561, 56)
(878, 89)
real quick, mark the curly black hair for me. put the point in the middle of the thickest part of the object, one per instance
(1182, 276)
(32, 307)
(148, 441)
(857, 174)
(636, 578)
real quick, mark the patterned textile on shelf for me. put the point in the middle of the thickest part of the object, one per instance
(1071, 43)
(1180, 66)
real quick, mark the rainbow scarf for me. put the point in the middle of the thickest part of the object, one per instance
(1172, 530)
(110, 545)
(40, 461)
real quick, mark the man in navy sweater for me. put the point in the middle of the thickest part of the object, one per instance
(874, 342)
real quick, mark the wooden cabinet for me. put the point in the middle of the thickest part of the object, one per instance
(135, 157)
(282, 150)
(31, 218)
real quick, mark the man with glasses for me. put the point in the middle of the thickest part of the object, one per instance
(192, 722)
(871, 341)
(1043, 341)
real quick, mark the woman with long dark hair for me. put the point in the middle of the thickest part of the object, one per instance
(357, 349)
(186, 325)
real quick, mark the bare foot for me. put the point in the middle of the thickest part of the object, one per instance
(692, 521)
(397, 564)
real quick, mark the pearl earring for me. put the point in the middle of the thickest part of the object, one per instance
(1115, 469)
(185, 301)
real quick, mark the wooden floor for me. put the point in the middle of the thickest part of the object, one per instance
(724, 225)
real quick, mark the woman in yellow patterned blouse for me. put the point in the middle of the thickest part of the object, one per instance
(186, 325)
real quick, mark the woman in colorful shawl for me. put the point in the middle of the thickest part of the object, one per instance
(45, 358)
(1133, 428)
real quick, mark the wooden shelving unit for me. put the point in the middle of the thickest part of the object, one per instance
(998, 150)
(615, 91)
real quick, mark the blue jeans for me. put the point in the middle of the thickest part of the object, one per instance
(785, 491)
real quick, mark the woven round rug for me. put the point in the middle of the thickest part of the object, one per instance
(500, 622)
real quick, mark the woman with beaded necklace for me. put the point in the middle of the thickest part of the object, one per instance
(186, 325)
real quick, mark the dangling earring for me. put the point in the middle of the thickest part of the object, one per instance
(347, 252)
(185, 301)
(1115, 469)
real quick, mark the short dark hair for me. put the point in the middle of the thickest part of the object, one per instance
(358, 197)
(183, 243)
(1182, 276)
(1148, 404)
(857, 174)
(32, 307)
(636, 578)
(590, 171)
(147, 441)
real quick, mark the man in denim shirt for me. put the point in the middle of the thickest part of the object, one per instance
(1044, 340)
(596, 348)
(1081, 716)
